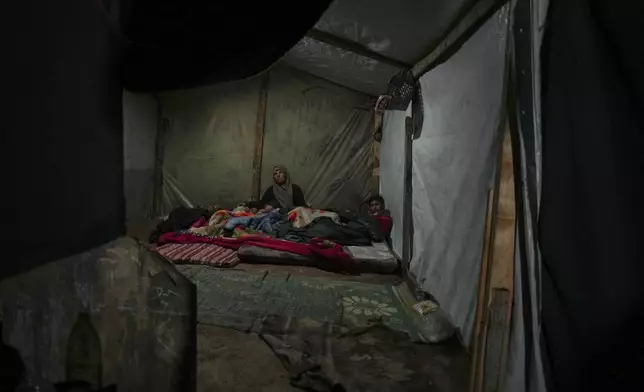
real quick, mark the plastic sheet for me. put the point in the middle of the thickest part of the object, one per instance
(392, 167)
(376, 25)
(453, 164)
(321, 132)
(340, 66)
(209, 145)
(454, 161)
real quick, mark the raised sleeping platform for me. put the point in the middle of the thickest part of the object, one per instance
(375, 259)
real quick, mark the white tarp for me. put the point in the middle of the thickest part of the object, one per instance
(453, 165)
(322, 132)
(404, 30)
(392, 169)
(454, 161)
(209, 144)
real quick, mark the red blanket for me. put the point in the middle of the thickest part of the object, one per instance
(317, 246)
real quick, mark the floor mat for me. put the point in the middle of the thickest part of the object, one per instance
(243, 300)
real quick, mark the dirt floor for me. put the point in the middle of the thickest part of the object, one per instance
(231, 360)
(234, 361)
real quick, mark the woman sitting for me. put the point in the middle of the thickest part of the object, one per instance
(282, 194)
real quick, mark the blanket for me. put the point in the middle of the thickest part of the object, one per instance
(353, 233)
(206, 254)
(302, 216)
(179, 219)
(317, 247)
(237, 223)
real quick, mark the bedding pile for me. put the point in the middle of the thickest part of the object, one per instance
(300, 236)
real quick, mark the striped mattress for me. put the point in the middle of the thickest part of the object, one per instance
(206, 254)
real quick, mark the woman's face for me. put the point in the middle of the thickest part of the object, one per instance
(279, 177)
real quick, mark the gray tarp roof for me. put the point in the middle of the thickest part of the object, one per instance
(402, 30)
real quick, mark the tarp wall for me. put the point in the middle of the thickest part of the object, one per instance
(139, 140)
(453, 165)
(322, 132)
(392, 169)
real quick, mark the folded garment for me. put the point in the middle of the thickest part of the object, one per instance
(179, 219)
(259, 223)
(353, 233)
(238, 221)
(379, 226)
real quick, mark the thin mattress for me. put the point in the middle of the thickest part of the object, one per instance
(377, 258)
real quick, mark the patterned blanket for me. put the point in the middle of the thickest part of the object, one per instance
(207, 254)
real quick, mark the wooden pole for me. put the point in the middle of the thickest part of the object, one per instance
(159, 151)
(502, 271)
(496, 285)
(482, 294)
(407, 219)
(259, 137)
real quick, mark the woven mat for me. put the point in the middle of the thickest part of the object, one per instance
(242, 300)
(206, 254)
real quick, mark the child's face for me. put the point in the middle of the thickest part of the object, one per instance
(375, 206)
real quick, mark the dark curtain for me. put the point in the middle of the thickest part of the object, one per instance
(62, 148)
(181, 44)
(592, 206)
(64, 66)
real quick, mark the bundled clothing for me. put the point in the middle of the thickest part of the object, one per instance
(353, 233)
(260, 223)
(179, 219)
(303, 216)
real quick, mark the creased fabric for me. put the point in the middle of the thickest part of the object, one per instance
(323, 133)
(453, 166)
(325, 357)
(320, 131)
(302, 216)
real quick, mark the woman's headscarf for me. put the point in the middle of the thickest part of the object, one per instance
(283, 193)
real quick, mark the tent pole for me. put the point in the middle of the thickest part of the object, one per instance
(407, 196)
(157, 190)
(259, 137)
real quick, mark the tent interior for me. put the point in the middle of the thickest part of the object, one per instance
(313, 111)
(369, 196)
